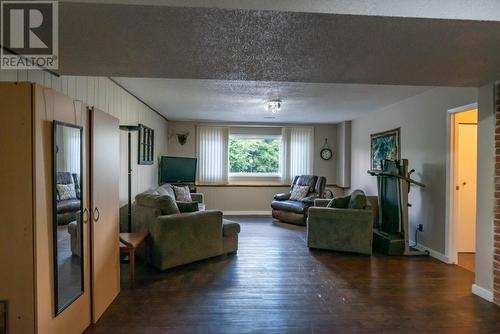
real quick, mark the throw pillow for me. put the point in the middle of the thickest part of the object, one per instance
(358, 200)
(186, 207)
(167, 205)
(66, 191)
(166, 189)
(182, 194)
(299, 192)
(339, 202)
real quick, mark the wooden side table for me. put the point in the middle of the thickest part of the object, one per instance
(129, 242)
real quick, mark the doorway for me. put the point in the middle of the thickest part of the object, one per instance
(464, 171)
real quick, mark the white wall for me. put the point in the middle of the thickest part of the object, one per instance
(107, 96)
(485, 188)
(255, 199)
(343, 154)
(423, 120)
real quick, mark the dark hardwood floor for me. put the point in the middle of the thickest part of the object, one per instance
(276, 285)
(467, 261)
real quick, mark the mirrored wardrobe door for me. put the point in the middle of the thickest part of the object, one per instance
(70, 215)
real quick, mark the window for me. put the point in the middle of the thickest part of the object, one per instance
(254, 155)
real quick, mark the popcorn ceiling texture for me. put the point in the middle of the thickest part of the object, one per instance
(209, 43)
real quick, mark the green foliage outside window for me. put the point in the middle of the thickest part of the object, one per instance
(254, 155)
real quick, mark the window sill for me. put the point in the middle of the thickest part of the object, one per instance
(257, 185)
(248, 185)
(257, 179)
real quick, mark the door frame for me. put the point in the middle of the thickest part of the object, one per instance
(451, 183)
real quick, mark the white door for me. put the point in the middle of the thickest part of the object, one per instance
(466, 188)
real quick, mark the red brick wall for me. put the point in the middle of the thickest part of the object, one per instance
(496, 232)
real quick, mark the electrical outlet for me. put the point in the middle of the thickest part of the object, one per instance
(420, 227)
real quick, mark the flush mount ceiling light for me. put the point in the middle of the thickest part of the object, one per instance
(274, 106)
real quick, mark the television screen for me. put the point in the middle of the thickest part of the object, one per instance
(177, 170)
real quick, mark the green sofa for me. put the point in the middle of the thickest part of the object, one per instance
(341, 229)
(177, 238)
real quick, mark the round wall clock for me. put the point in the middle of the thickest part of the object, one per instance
(326, 153)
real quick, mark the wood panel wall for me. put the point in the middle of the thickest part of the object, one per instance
(105, 95)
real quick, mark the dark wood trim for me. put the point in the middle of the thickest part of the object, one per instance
(140, 100)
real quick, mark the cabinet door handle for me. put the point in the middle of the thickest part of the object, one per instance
(96, 215)
(85, 216)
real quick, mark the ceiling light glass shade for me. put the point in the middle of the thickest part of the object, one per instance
(274, 106)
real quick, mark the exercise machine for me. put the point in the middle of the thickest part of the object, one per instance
(391, 233)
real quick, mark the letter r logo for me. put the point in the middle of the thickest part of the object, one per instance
(27, 26)
(29, 34)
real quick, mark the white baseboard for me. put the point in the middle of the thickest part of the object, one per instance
(482, 292)
(435, 254)
(247, 213)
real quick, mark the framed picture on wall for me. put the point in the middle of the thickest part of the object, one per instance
(384, 146)
(146, 145)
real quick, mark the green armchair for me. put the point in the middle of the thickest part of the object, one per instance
(178, 234)
(341, 229)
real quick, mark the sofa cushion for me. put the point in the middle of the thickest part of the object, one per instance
(185, 207)
(230, 228)
(307, 180)
(293, 206)
(341, 202)
(299, 192)
(165, 203)
(165, 189)
(71, 205)
(182, 194)
(357, 200)
(64, 178)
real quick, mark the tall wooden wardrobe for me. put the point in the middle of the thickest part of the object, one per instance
(27, 112)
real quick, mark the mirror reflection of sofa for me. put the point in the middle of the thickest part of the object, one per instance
(67, 208)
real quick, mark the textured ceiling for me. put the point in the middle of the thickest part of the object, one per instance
(483, 10)
(237, 101)
(207, 43)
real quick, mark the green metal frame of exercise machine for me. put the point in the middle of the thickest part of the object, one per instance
(391, 233)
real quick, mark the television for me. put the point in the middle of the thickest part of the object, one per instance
(177, 170)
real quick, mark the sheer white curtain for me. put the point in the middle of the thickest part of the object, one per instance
(212, 152)
(297, 152)
(71, 149)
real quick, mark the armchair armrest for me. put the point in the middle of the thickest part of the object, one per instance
(349, 230)
(321, 202)
(172, 230)
(198, 197)
(186, 237)
(282, 196)
(309, 199)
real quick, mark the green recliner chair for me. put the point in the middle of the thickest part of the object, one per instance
(346, 226)
(179, 234)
